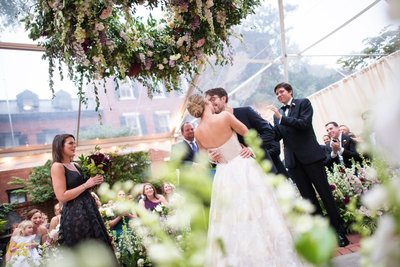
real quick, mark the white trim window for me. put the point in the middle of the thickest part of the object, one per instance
(126, 89)
(132, 120)
(162, 121)
(160, 92)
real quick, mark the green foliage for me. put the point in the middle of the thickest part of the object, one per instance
(5, 208)
(104, 132)
(385, 43)
(38, 186)
(131, 166)
(316, 246)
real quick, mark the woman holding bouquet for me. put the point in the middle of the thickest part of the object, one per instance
(150, 198)
(80, 217)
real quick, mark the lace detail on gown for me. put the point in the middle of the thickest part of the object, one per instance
(245, 216)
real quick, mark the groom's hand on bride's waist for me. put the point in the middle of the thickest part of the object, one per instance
(246, 152)
(214, 155)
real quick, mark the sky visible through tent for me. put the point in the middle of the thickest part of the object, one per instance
(312, 20)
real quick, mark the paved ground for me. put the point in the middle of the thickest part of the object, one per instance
(348, 256)
(347, 260)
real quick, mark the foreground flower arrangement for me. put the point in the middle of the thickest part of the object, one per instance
(99, 39)
(348, 185)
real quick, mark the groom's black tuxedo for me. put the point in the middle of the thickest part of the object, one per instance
(265, 131)
(298, 135)
(304, 157)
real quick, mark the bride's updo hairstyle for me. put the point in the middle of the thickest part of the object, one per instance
(195, 105)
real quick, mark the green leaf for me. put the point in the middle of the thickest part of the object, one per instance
(316, 246)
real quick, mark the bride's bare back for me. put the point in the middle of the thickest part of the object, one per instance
(215, 129)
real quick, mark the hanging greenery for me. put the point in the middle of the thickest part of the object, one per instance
(107, 38)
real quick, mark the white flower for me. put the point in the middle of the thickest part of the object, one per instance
(304, 205)
(175, 57)
(160, 66)
(303, 224)
(158, 208)
(375, 199)
(99, 27)
(383, 236)
(181, 40)
(124, 36)
(149, 53)
(142, 58)
(285, 191)
(164, 253)
(109, 212)
(96, 59)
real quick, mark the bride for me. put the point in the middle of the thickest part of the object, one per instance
(246, 226)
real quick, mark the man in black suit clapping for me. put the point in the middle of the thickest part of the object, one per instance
(342, 148)
(303, 154)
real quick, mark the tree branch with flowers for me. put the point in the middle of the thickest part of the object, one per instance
(100, 39)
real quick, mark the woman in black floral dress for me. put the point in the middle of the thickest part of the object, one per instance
(80, 217)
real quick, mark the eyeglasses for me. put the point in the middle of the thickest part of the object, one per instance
(213, 98)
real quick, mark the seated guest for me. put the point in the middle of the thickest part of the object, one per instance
(342, 147)
(150, 198)
(327, 150)
(55, 224)
(35, 216)
(168, 191)
(116, 224)
(326, 138)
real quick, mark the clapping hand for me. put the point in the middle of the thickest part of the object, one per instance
(276, 112)
(335, 146)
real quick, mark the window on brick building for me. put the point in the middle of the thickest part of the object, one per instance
(162, 121)
(133, 121)
(127, 89)
(16, 197)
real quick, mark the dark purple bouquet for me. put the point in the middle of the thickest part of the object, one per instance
(95, 163)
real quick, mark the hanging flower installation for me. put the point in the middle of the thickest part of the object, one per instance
(107, 38)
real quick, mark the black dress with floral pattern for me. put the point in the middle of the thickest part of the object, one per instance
(80, 217)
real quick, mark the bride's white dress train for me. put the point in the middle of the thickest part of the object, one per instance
(246, 226)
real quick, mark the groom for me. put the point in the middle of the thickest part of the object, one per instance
(219, 99)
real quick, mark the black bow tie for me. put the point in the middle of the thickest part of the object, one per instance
(285, 107)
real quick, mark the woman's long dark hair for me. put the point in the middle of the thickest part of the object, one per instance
(58, 145)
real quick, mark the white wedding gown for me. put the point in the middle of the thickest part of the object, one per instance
(246, 227)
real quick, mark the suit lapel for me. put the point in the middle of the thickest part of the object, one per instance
(292, 106)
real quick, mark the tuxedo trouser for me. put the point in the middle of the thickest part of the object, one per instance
(310, 176)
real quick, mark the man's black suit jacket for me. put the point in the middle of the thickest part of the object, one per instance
(253, 120)
(296, 130)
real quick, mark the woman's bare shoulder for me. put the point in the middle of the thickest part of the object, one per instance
(57, 165)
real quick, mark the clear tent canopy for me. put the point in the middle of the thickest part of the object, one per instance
(315, 35)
